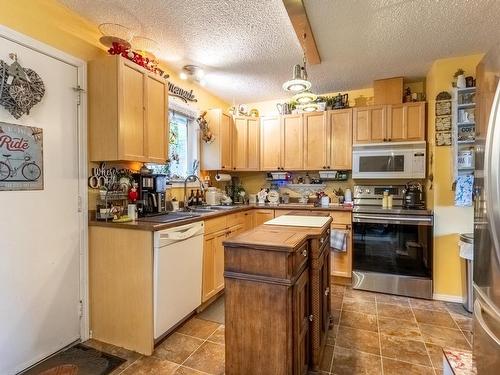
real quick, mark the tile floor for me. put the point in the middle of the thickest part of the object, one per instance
(371, 332)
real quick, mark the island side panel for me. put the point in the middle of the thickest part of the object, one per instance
(258, 332)
(121, 287)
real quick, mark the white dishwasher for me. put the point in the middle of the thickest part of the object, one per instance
(178, 258)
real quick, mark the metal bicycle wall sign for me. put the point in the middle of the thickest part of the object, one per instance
(21, 157)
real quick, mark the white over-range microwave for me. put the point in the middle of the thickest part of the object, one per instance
(396, 160)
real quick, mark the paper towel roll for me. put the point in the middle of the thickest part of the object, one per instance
(222, 177)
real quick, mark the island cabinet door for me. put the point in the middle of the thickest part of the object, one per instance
(301, 324)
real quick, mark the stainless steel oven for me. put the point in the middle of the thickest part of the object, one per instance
(392, 247)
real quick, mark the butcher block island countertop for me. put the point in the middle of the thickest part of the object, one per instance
(277, 298)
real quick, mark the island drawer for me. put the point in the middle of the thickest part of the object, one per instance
(300, 257)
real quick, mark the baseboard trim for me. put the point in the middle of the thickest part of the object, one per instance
(447, 298)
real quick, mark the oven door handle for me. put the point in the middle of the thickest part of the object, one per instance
(357, 218)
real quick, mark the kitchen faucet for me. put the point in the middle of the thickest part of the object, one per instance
(193, 178)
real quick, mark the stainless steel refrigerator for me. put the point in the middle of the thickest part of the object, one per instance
(486, 277)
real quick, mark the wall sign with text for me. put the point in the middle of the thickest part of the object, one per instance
(181, 93)
(21, 157)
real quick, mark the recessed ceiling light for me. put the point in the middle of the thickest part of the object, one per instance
(183, 76)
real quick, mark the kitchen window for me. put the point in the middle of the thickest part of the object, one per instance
(183, 144)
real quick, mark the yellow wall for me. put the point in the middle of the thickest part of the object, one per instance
(52, 23)
(449, 220)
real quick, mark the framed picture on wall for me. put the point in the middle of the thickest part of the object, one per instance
(443, 138)
(21, 157)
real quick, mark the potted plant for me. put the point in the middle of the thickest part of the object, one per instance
(459, 78)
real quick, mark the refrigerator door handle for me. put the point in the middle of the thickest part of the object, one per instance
(492, 169)
(478, 314)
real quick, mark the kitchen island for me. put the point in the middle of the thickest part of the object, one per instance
(277, 297)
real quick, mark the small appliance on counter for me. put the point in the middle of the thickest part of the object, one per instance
(151, 194)
(413, 196)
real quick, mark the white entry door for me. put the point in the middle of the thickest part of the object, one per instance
(40, 230)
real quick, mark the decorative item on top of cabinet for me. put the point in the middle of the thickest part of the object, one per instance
(206, 134)
(127, 112)
(388, 91)
(217, 155)
(246, 144)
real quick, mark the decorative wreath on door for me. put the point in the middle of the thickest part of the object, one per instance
(20, 88)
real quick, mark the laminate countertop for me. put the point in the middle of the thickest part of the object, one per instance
(153, 226)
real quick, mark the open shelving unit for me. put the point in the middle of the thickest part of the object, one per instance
(463, 130)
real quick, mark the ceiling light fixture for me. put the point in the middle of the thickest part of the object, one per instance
(305, 97)
(311, 107)
(193, 73)
(299, 81)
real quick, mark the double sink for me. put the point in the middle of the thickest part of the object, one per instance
(183, 215)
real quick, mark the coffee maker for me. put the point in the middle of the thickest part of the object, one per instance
(151, 191)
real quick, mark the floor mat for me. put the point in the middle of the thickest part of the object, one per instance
(78, 359)
(214, 312)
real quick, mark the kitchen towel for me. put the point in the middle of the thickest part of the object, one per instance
(463, 191)
(338, 240)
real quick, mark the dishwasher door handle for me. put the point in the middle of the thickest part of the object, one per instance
(180, 235)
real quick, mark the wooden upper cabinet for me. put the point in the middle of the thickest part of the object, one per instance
(225, 131)
(292, 142)
(127, 112)
(369, 124)
(218, 154)
(340, 139)
(156, 118)
(315, 141)
(389, 123)
(406, 122)
(246, 150)
(270, 143)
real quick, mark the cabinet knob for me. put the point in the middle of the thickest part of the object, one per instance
(304, 253)
(321, 240)
(389, 140)
(328, 167)
(310, 317)
(327, 291)
(385, 139)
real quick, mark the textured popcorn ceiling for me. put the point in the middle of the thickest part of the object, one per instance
(248, 47)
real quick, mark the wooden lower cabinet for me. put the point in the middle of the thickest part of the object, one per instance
(341, 262)
(217, 230)
(320, 298)
(277, 301)
(301, 323)
(262, 215)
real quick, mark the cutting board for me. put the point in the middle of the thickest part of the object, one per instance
(299, 221)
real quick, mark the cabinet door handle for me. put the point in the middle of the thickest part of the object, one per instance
(310, 317)
(327, 291)
(304, 253)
